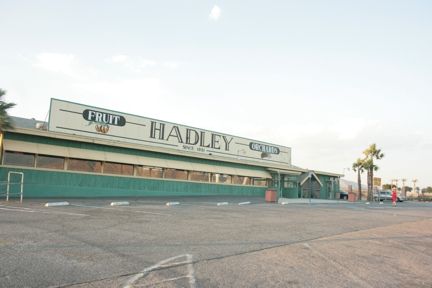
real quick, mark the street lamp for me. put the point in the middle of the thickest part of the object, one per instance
(395, 182)
(414, 187)
(343, 171)
(310, 186)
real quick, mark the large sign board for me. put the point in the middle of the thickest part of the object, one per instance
(78, 119)
(376, 181)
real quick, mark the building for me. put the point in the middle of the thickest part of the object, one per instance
(85, 151)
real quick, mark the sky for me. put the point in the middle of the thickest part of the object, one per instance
(326, 78)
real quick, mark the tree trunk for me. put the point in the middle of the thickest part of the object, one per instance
(359, 184)
(368, 186)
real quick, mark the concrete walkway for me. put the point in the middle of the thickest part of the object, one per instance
(312, 201)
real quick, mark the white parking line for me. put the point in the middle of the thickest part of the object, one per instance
(164, 264)
(172, 203)
(14, 207)
(28, 210)
(128, 209)
(120, 203)
(244, 203)
(222, 203)
(56, 204)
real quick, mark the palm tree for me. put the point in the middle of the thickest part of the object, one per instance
(358, 167)
(5, 121)
(371, 153)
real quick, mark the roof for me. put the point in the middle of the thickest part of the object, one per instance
(42, 132)
(306, 176)
(32, 123)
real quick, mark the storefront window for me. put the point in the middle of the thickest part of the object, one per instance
(199, 176)
(118, 168)
(84, 165)
(221, 178)
(50, 162)
(241, 180)
(289, 184)
(19, 159)
(259, 182)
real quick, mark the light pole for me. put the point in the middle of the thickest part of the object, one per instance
(310, 186)
(414, 187)
(395, 182)
(343, 171)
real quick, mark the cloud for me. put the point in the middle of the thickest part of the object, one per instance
(118, 89)
(119, 58)
(171, 65)
(349, 128)
(66, 64)
(215, 13)
(60, 63)
(140, 64)
(147, 63)
(137, 96)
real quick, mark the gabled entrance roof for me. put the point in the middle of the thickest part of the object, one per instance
(312, 173)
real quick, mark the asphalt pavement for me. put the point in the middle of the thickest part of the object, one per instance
(199, 243)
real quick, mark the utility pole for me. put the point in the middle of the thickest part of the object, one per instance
(310, 186)
(414, 187)
(343, 171)
(403, 192)
(395, 182)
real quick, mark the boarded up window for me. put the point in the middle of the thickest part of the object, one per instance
(142, 171)
(146, 171)
(84, 165)
(156, 172)
(50, 162)
(176, 174)
(199, 176)
(19, 159)
(118, 168)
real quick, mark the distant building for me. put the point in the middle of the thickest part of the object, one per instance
(346, 184)
(86, 151)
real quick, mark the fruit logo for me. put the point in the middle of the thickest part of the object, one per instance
(102, 128)
(103, 120)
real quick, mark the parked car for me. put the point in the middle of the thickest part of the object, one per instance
(387, 196)
(343, 195)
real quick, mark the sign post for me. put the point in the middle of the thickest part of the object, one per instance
(376, 184)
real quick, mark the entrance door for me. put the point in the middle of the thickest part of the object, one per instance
(311, 191)
(15, 185)
(289, 189)
(330, 194)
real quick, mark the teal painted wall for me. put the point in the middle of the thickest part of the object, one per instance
(290, 186)
(51, 183)
(40, 183)
(326, 191)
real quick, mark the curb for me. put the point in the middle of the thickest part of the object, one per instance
(55, 204)
(121, 203)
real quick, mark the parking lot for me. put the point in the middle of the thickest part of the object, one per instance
(199, 243)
